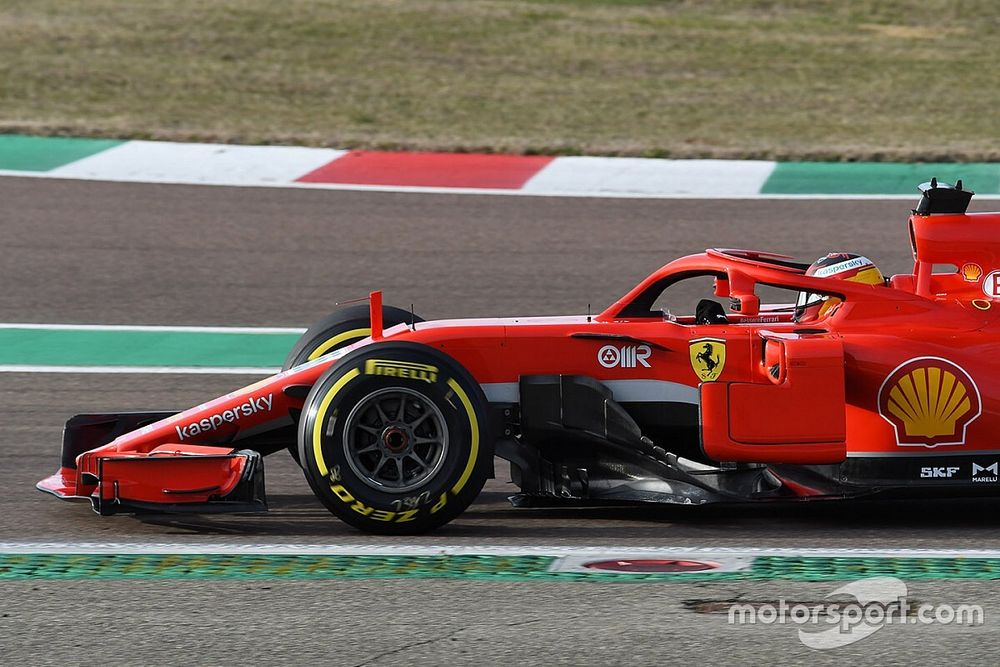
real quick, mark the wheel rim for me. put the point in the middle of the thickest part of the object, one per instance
(395, 439)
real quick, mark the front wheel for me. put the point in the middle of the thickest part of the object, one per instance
(344, 327)
(393, 439)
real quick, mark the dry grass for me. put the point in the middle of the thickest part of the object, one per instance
(824, 79)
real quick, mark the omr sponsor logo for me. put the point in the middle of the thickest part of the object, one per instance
(627, 356)
(251, 406)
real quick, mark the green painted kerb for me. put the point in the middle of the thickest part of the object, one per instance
(56, 347)
(22, 153)
(501, 568)
(877, 178)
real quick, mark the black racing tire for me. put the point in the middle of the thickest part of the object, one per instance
(340, 329)
(394, 439)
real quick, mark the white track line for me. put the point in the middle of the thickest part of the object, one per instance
(460, 550)
(162, 370)
(152, 328)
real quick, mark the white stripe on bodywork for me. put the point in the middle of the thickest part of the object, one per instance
(624, 391)
(652, 391)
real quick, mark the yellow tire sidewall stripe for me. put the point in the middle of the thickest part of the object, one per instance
(474, 426)
(321, 419)
(344, 337)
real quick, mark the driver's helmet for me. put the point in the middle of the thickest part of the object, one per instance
(839, 265)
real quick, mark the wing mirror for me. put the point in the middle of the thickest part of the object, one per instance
(741, 295)
(722, 287)
(745, 304)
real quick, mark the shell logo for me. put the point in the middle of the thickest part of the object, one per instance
(930, 402)
(971, 272)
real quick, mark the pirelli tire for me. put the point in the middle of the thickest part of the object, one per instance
(340, 329)
(394, 439)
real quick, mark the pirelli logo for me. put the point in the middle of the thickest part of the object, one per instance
(401, 369)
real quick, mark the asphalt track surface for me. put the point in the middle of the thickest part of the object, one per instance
(82, 252)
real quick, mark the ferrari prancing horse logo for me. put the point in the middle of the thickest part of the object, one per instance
(708, 358)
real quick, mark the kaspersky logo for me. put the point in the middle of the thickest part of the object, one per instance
(249, 407)
(930, 402)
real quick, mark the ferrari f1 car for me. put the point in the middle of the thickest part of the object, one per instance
(854, 386)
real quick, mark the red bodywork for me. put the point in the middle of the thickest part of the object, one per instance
(903, 369)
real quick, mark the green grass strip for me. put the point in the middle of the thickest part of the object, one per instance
(824, 79)
(48, 347)
(496, 568)
(23, 153)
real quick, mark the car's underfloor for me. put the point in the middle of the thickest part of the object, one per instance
(569, 442)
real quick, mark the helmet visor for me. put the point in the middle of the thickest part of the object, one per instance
(807, 305)
(807, 299)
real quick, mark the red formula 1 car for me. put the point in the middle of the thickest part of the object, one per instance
(856, 385)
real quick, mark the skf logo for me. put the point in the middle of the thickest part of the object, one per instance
(971, 273)
(988, 473)
(708, 358)
(937, 473)
(401, 369)
(627, 356)
(929, 402)
(991, 285)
